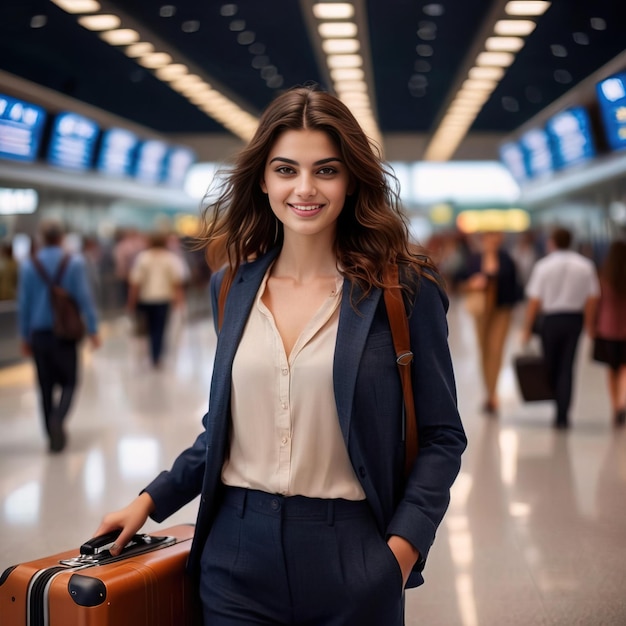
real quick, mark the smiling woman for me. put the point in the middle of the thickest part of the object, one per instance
(301, 463)
(306, 183)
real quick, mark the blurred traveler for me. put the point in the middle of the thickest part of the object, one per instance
(155, 285)
(490, 278)
(306, 515)
(609, 330)
(92, 253)
(56, 359)
(129, 243)
(8, 273)
(564, 287)
(524, 253)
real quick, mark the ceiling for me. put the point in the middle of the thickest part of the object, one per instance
(410, 84)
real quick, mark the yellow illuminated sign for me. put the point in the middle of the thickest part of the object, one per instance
(509, 220)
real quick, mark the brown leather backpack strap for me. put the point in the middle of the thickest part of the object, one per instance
(41, 271)
(61, 270)
(404, 357)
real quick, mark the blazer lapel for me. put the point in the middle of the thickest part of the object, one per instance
(351, 337)
(237, 308)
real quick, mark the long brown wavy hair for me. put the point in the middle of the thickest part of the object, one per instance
(371, 229)
(614, 267)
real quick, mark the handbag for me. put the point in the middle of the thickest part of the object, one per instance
(532, 377)
(404, 357)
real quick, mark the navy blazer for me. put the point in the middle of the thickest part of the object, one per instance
(369, 404)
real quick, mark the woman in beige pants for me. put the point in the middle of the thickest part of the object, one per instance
(490, 281)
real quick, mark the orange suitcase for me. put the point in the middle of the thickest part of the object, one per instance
(145, 586)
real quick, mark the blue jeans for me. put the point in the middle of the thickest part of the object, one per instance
(298, 561)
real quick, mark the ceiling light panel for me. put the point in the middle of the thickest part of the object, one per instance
(526, 7)
(78, 6)
(155, 60)
(347, 73)
(102, 21)
(120, 36)
(139, 49)
(519, 28)
(477, 84)
(490, 73)
(328, 30)
(344, 60)
(171, 72)
(341, 46)
(506, 44)
(333, 10)
(499, 59)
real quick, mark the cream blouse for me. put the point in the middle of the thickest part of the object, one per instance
(285, 434)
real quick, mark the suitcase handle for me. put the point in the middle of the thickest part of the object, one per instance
(102, 543)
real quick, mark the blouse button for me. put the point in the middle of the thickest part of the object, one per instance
(285, 371)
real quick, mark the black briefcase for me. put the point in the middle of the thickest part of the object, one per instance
(532, 377)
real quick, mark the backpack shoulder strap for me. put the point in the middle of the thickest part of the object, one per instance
(399, 323)
(41, 271)
(61, 269)
(59, 273)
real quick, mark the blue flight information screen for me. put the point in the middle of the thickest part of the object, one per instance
(571, 137)
(72, 142)
(150, 161)
(612, 98)
(117, 152)
(21, 125)
(512, 155)
(177, 164)
(537, 153)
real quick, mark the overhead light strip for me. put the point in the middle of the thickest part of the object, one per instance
(499, 51)
(176, 75)
(341, 43)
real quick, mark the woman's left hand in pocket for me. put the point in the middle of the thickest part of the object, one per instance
(405, 554)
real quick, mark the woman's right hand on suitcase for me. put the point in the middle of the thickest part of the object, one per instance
(129, 519)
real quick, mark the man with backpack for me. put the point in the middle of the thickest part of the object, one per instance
(55, 305)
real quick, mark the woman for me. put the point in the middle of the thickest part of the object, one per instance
(491, 273)
(305, 513)
(155, 285)
(609, 332)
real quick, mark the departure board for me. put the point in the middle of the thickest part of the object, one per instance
(177, 163)
(150, 161)
(117, 152)
(612, 98)
(570, 136)
(72, 141)
(21, 125)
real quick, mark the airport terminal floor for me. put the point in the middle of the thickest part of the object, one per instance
(535, 533)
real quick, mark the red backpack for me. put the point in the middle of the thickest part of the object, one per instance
(68, 323)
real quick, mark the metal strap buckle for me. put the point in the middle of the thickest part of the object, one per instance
(406, 358)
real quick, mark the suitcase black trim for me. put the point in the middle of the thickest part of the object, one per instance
(36, 615)
(6, 574)
(86, 590)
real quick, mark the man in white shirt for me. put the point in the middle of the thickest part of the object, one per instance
(564, 287)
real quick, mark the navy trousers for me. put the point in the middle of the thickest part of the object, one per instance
(156, 319)
(298, 561)
(559, 336)
(56, 361)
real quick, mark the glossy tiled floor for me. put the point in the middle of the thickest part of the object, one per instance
(535, 534)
